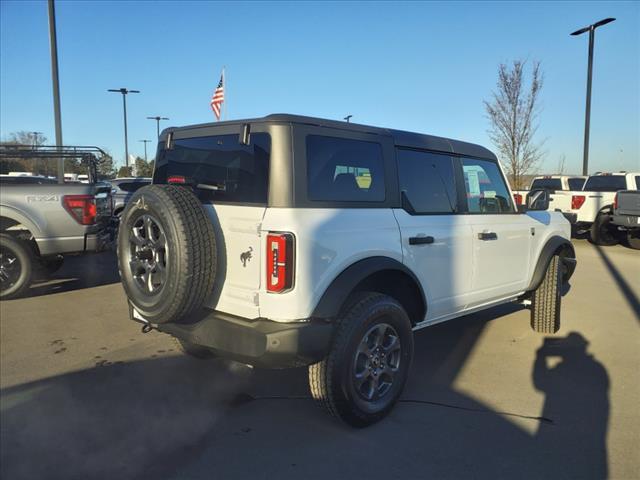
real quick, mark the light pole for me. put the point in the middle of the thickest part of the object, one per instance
(124, 93)
(587, 115)
(157, 119)
(145, 148)
(348, 118)
(55, 81)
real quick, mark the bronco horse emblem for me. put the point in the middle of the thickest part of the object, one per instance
(246, 256)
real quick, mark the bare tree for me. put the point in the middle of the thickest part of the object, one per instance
(561, 164)
(27, 138)
(513, 112)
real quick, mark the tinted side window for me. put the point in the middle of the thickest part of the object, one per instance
(219, 167)
(340, 169)
(576, 183)
(428, 181)
(605, 183)
(131, 186)
(547, 184)
(485, 188)
(637, 182)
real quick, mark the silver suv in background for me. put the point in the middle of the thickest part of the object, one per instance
(122, 189)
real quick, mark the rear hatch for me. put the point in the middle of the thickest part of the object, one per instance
(231, 180)
(628, 203)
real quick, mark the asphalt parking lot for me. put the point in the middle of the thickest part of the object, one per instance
(85, 395)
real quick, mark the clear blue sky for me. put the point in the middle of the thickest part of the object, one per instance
(424, 67)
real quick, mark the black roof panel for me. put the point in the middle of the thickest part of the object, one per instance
(401, 138)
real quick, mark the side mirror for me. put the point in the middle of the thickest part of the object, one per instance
(538, 200)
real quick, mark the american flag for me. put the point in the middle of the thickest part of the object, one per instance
(218, 97)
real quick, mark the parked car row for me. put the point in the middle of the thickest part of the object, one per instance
(606, 207)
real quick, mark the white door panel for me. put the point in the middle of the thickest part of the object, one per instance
(443, 267)
(501, 252)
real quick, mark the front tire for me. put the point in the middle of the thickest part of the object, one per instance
(16, 267)
(366, 369)
(546, 300)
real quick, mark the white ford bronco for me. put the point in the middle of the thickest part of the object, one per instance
(289, 241)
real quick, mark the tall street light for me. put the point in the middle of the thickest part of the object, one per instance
(124, 93)
(587, 116)
(55, 83)
(145, 148)
(157, 119)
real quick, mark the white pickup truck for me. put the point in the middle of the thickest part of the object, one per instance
(591, 209)
(555, 184)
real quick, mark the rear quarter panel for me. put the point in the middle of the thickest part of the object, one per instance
(327, 242)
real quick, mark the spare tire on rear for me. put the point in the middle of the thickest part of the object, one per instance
(166, 253)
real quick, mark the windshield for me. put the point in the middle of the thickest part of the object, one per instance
(605, 183)
(546, 184)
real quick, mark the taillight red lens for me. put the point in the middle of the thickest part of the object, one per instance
(81, 207)
(615, 202)
(176, 179)
(518, 198)
(279, 262)
(577, 201)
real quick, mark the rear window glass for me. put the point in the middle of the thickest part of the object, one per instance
(546, 184)
(340, 169)
(576, 183)
(132, 186)
(605, 183)
(219, 167)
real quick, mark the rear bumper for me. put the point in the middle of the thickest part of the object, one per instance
(89, 242)
(627, 221)
(259, 342)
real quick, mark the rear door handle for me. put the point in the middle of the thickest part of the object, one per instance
(488, 236)
(420, 240)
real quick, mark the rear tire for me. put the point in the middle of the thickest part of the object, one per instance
(601, 231)
(193, 350)
(547, 299)
(366, 369)
(16, 266)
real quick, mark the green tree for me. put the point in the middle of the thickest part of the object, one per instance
(144, 169)
(106, 168)
(124, 172)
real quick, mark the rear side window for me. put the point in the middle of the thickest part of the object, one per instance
(131, 186)
(344, 170)
(219, 167)
(546, 184)
(486, 190)
(576, 183)
(428, 181)
(605, 183)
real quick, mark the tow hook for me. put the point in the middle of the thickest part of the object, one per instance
(147, 327)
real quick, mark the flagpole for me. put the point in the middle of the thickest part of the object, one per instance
(224, 86)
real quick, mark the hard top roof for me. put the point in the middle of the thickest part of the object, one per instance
(401, 138)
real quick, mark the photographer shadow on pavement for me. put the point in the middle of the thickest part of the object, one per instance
(576, 387)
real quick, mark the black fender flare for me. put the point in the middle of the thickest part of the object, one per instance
(554, 244)
(341, 287)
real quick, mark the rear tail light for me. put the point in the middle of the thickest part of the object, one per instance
(615, 202)
(577, 201)
(176, 179)
(280, 247)
(81, 207)
(518, 198)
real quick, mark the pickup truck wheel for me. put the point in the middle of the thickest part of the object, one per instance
(546, 300)
(601, 231)
(366, 369)
(166, 253)
(633, 239)
(193, 350)
(16, 266)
